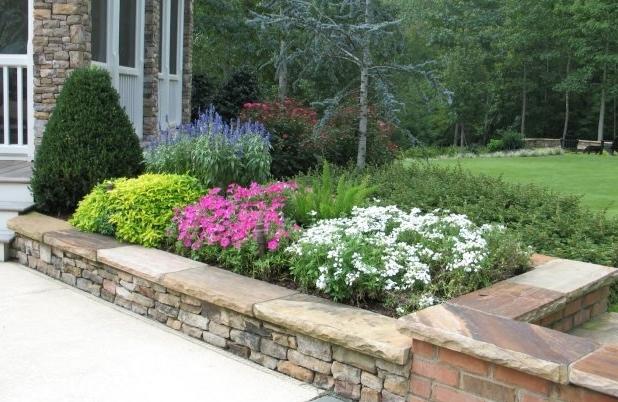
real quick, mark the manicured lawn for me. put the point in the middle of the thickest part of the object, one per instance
(592, 176)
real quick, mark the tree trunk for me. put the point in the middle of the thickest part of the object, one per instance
(567, 105)
(282, 71)
(456, 133)
(614, 137)
(601, 127)
(524, 103)
(363, 121)
(462, 139)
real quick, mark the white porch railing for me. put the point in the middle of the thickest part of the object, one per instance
(15, 105)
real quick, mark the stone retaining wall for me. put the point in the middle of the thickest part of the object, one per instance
(478, 348)
(323, 364)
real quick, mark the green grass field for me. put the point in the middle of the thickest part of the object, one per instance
(594, 177)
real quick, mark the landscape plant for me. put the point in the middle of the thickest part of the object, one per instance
(89, 138)
(136, 210)
(410, 260)
(291, 125)
(323, 196)
(214, 151)
(242, 229)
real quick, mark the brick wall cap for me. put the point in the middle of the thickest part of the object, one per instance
(518, 345)
(597, 371)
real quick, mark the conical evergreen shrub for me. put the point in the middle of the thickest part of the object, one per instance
(89, 138)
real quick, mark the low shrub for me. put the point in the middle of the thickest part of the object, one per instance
(495, 145)
(325, 197)
(224, 229)
(215, 152)
(410, 260)
(88, 139)
(509, 141)
(136, 210)
(552, 224)
(202, 94)
(291, 125)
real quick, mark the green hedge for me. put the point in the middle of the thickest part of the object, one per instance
(88, 139)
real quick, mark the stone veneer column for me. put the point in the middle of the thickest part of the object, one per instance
(187, 62)
(61, 44)
(151, 69)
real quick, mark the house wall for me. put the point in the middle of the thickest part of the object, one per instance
(187, 62)
(61, 43)
(151, 69)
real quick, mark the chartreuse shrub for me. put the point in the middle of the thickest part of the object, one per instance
(88, 139)
(325, 197)
(213, 151)
(406, 260)
(136, 210)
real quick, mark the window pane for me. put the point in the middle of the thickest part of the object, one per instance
(99, 30)
(13, 26)
(174, 37)
(161, 22)
(128, 22)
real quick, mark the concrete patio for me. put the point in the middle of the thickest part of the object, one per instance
(90, 350)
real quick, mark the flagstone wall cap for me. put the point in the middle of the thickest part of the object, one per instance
(598, 371)
(536, 260)
(360, 330)
(224, 288)
(34, 225)
(513, 300)
(529, 348)
(572, 278)
(147, 263)
(80, 243)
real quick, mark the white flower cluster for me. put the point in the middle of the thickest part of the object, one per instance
(394, 248)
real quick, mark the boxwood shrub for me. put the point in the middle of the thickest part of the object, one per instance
(136, 210)
(88, 139)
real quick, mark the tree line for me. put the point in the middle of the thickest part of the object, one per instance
(443, 71)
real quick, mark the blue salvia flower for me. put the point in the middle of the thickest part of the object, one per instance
(212, 124)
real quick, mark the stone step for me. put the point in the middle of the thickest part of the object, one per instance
(603, 329)
(15, 190)
(6, 236)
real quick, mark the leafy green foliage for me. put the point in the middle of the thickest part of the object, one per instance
(552, 224)
(325, 197)
(216, 153)
(136, 210)
(88, 139)
(293, 146)
(240, 88)
(202, 94)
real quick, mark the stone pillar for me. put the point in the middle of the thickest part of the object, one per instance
(187, 62)
(61, 43)
(151, 69)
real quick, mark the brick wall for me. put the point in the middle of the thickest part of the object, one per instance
(442, 375)
(578, 311)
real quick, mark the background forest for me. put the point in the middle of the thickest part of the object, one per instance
(440, 71)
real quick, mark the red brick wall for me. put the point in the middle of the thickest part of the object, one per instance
(442, 375)
(578, 311)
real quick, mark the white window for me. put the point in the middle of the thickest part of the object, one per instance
(99, 30)
(13, 27)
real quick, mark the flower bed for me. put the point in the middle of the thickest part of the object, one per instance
(391, 260)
